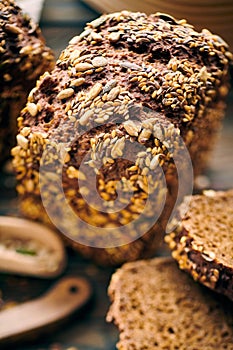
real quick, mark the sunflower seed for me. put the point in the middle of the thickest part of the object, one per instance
(96, 36)
(154, 162)
(144, 135)
(74, 55)
(99, 61)
(95, 90)
(114, 36)
(75, 40)
(10, 28)
(97, 22)
(82, 67)
(66, 93)
(99, 120)
(77, 82)
(112, 95)
(85, 33)
(83, 59)
(111, 84)
(129, 65)
(117, 150)
(131, 128)
(86, 117)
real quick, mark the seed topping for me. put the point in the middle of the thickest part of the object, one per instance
(99, 61)
(66, 93)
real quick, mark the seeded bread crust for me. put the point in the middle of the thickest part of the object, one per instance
(157, 306)
(202, 243)
(124, 66)
(23, 58)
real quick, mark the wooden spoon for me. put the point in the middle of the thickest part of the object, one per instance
(33, 317)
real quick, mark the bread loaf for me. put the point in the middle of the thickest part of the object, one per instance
(157, 306)
(23, 58)
(125, 91)
(202, 243)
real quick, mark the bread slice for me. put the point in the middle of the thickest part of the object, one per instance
(203, 242)
(157, 306)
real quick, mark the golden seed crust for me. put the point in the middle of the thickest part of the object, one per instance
(133, 80)
(23, 58)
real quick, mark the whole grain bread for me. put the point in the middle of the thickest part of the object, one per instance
(203, 241)
(23, 58)
(155, 305)
(129, 84)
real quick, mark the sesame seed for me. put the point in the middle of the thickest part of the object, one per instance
(133, 168)
(154, 94)
(132, 80)
(89, 71)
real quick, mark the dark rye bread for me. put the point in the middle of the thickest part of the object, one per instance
(157, 306)
(23, 58)
(203, 241)
(128, 80)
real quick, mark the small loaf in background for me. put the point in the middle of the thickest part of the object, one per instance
(23, 58)
(128, 78)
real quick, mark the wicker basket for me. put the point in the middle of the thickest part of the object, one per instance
(215, 15)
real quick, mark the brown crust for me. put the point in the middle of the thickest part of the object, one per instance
(207, 260)
(120, 65)
(23, 58)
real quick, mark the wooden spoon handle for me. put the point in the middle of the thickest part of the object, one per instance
(65, 297)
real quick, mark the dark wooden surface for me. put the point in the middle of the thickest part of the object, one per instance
(60, 21)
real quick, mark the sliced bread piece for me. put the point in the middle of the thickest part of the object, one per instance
(203, 242)
(157, 306)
